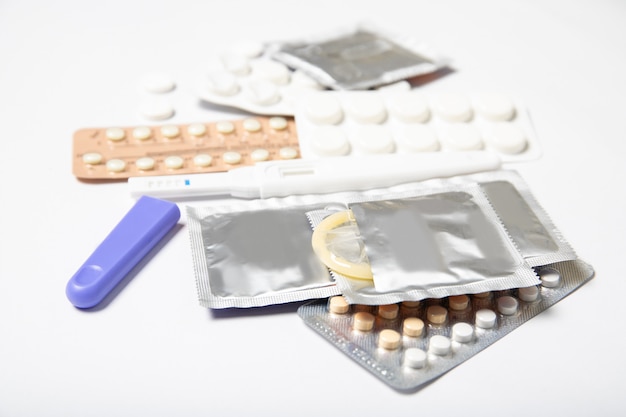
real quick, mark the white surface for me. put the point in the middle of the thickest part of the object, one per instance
(152, 350)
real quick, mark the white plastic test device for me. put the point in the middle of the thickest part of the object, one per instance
(315, 176)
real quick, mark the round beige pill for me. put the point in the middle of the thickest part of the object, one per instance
(251, 125)
(225, 127)
(115, 134)
(363, 321)
(389, 339)
(436, 314)
(458, 302)
(145, 164)
(196, 129)
(174, 162)
(116, 165)
(412, 327)
(231, 157)
(278, 123)
(142, 133)
(259, 155)
(388, 311)
(338, 305)
(202, 160)
(170, 131)
(92, 158)
(288, 153)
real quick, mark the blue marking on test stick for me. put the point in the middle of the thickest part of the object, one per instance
(187, 182)
(147, 222)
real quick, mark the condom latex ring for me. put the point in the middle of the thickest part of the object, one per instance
(337, 243)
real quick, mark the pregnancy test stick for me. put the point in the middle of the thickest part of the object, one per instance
(147, 222)
(314, 176)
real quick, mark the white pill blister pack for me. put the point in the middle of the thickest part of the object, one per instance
(343, 123)
(408, 344)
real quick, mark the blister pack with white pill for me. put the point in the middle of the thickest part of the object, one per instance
(344, 123)
(407, 345)
(358, 57)
(121, 152)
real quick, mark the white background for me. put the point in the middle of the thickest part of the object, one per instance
(153, 350)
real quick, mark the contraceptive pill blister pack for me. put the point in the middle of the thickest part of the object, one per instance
(342, 123)
(408, 344)
(120, 152)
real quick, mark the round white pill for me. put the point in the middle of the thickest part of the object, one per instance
(278, 123)
(247, 48)
(115, 134)
(259, 155)
(262, 92)
(506, 138)
(251, 125)
(145, 163)
(196, 129)
(485, 319)
(156, 109)
(550, 278)
(462, 333)
(236, 64)
(363, 321)
(174, 162)
(388, 311)
(365, 109)
(170, 131)
(507, 305)
(462, 137)
(323, 109)
(202, 160)
(329, 141)
(419, 138)
(494, 106)
(92, 158)
(374, 139)
(158, 83)
(222, 83)
(415, 358)
(273, 71)
(338, 305)
(439, 345)
(528, 294)
(412, 327)
(288, 153)
(452, 107)
(225, 127)
(142, 133)
(116, 165)
(231, 157)
(409, 107)
(389, 339)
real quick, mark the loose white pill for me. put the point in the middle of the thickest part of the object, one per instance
(231, 157)
(389, 339)
(485, 319)
(203, 160)
(506, 138)
(115, 134)
(415, 358)
(507, 305)
(388, 311)
(419, 138)
(156, 109)
(174, 162)
(366, 109)
(142, 133)
(528, 294)
(273, 71)
(262, 92)
(452, 107)
(494, 106)
(288, 152)
(363, 321)
(116, 165)
(409, 107)
(338, 305)
(158, 83)
(170, 131)
(278, 123)
(439, 345)
(329, 141)
(550, 278)
(374, 139)
(196, 129)
(462, 137)
(259, 155)
(225, 127)
(251, 125)
(145, 163)
(462, 332)
(222, 83)
(323, 109)
(412, 327)
(92, 158)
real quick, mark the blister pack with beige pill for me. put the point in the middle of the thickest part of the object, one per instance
(114, 153)
(409, 344)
